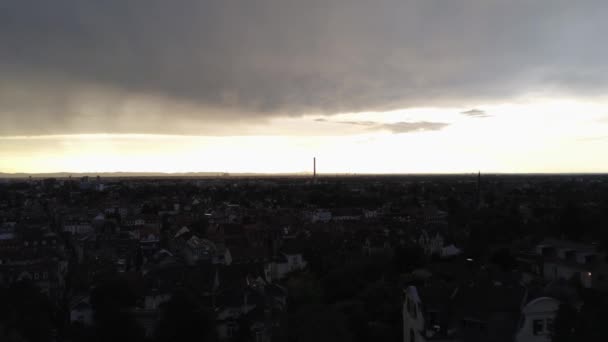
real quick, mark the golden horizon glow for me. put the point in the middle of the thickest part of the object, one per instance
(528, 136)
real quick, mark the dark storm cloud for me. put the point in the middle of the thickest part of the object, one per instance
(475, 113)
(159, 66)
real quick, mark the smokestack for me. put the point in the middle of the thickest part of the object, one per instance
(314, 167)
(479, 189)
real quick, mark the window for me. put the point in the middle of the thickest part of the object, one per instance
(231, 330)
(590, 259)
(537, 326)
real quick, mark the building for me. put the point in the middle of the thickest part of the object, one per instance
(413, 318)
(572, 260)
(537, 320)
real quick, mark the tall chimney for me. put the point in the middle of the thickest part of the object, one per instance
(479, 189)
(314, 167)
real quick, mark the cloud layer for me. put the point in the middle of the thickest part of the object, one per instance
(193, 66)
(394, 127)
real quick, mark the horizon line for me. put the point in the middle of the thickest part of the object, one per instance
(215, 174)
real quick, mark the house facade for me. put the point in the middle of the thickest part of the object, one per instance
(537, 320)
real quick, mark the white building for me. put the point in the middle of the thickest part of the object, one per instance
(413, 319)
(567, 260)
(286, 263)
(537, 320)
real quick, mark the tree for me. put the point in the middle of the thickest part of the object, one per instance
(303, 289)
(25, 313)
(183, 318)
(593, 317)
(111, 301)
(408, 258)
(356, 318)
(570, 221)
(504, 259)
(564, 325)
(318, 323)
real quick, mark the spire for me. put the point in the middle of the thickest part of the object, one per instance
(314, 170)
(479, 189)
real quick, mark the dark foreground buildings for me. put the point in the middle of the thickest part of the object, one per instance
(419, 258)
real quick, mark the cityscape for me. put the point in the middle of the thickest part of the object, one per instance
(469, 257)
(304, 171)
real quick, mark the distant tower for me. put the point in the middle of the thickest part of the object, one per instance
(314, 170)
(479, 189)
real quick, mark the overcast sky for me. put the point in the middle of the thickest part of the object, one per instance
(226, 77)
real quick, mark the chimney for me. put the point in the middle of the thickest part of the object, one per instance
(314, 167)
(479, 189)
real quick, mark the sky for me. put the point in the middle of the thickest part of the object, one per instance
(384, 86)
